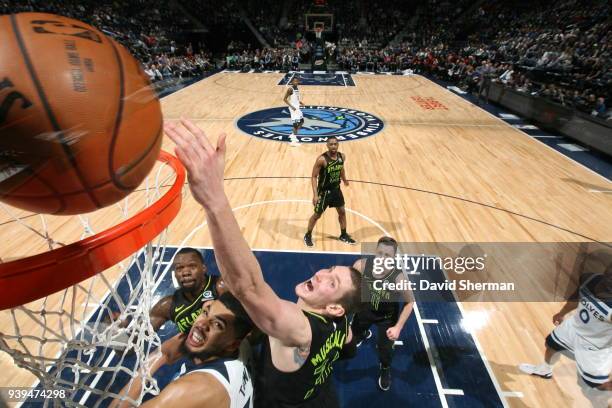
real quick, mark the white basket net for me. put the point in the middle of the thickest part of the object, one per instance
(92, 338)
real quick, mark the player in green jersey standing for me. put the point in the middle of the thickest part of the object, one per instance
(326, 175)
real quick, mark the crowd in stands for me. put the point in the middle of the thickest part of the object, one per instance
(375, 22)
(560, 51)
(557, 50)
(265, 59)
(223, 22)
(284, 26)
(148, 28)
(266, 17)
(164, 67)
(129, 22)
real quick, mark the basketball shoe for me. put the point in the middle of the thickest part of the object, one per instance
(543, 370)
(384, 380)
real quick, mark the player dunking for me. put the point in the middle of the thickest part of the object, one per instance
(326, 175)
(304, 338)
(293, 99)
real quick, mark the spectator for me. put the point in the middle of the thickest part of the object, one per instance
(600, 109)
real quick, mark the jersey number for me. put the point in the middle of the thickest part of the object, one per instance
(584, 316)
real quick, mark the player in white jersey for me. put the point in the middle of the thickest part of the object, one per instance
(214, 371)
(587, 334)
(231, 373)
(293, 99)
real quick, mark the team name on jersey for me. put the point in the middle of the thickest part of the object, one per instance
(336, 339)
(587, 305)
(186, 322)
(322, 362)
(334, 167)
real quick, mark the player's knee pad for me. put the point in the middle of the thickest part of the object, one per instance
(551, 343)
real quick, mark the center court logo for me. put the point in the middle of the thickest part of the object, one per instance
(320, 122)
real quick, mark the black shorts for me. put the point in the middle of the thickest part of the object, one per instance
(329, 198)
(389, 314)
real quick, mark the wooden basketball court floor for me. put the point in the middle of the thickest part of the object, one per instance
(431, 175)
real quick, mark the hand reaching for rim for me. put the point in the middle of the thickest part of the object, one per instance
(204, 162)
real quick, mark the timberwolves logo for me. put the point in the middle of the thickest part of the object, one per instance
(320, 122)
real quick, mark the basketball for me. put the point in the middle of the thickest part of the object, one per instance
(80, 126)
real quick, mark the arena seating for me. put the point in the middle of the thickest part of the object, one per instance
(565, 55)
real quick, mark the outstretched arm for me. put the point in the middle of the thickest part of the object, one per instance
(237, 264)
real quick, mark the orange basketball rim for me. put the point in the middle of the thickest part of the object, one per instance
(28, 279)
